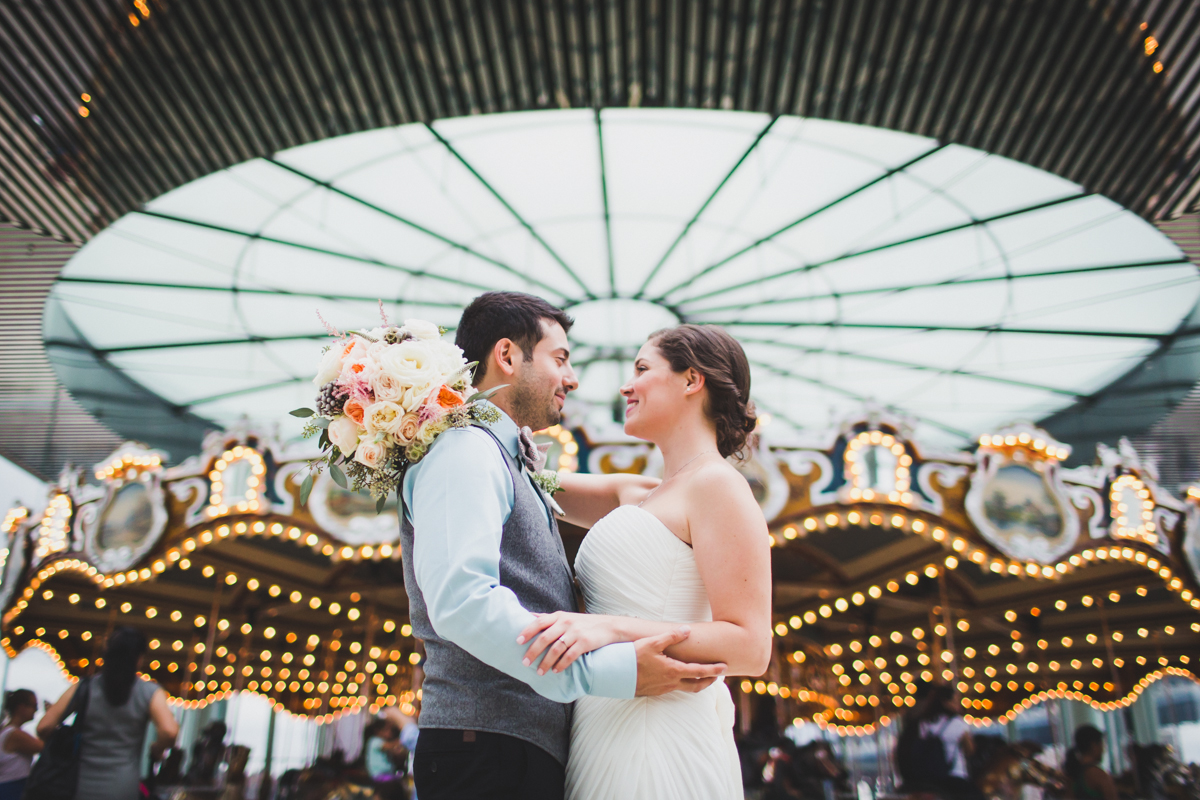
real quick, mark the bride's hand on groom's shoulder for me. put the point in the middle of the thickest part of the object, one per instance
(564, 636)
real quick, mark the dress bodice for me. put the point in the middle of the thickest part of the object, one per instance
(631, 565)
(676, 746)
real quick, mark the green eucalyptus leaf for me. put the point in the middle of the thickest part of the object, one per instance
(302, 412)
(324, 442)
(338, 476)
(486, 394)
(306, 489)
(321, 422)
(380, 503)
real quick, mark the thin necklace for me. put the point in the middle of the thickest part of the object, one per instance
(676, 472)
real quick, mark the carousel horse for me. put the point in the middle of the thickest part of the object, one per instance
(803, 772)
(326, 779)
(1000, 770)
(1158, 775)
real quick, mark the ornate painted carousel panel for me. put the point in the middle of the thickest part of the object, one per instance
(997, 569)
(237, 585)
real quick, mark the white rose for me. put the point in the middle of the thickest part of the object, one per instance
(331, 365)
(413, 363)
(343, 432)
(382, 417)
(449, 358)
(370, 454)
(422, 329)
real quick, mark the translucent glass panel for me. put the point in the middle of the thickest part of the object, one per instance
(856, 264)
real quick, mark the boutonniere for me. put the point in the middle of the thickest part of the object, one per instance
(533, 456)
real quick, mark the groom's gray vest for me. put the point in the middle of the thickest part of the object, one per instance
(460, 691)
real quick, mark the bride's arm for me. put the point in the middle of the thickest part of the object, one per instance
(729, 538)
(587, 498)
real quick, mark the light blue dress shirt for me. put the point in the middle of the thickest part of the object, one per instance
(458, 499)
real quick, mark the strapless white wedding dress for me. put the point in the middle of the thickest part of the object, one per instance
(677, 746)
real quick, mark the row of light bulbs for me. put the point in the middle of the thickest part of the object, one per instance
(218, 504)
(127, 466)
(1063, 691)
(1115, 553)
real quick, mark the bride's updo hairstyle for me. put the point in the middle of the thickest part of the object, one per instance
(719, 357)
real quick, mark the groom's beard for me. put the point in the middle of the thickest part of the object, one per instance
(534, 406)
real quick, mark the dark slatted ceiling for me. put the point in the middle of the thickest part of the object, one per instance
(179, 89)
(41, 426)
(1066, 86)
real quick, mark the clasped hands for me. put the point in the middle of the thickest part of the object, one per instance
(564, 636)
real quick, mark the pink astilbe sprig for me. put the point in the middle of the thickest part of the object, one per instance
(334, 332)
(383, 315)
(430, 410)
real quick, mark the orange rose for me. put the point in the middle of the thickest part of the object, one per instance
(448, 398)
(354, 410)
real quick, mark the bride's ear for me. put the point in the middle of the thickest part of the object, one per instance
(695, 381)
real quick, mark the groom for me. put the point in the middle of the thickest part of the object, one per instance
(482, 554)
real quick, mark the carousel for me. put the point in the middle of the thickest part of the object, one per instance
(994, 568)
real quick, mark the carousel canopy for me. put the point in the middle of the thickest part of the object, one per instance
(893, 561)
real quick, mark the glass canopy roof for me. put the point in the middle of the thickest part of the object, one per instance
(857, 265)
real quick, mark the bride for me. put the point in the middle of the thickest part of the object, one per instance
(692, 549)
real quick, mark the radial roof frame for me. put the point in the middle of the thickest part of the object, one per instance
(791, 233)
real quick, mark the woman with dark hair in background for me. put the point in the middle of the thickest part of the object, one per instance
(17, 748)
(1086, 779)
(114, 727)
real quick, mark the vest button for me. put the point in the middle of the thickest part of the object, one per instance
(433, 766)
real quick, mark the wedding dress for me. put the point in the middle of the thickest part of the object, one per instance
(677, 746)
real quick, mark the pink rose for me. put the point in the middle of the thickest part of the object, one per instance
(410, 423)
(370, 454)
(343, 432)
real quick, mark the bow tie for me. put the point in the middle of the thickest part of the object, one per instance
(532, 454)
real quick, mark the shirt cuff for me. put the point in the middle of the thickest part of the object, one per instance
(614, 671)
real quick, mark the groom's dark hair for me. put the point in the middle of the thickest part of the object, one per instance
(504, 315)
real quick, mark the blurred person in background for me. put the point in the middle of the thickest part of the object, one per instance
(17, 748)
(1086, 779)
(932, 752)
(114, 727)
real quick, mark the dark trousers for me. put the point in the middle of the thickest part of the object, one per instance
(474, 765)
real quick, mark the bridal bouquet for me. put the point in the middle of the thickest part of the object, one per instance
(385, 395)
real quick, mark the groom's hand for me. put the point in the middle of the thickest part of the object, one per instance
(658, 673)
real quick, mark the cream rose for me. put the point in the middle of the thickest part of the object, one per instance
(422, 329)
(387, 387)
(370, 454)
(382, 417)
(428, 432)
(406, 431)
(343, 432)
(412, 363)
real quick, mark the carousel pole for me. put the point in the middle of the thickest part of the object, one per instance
(99, 641)
(1122, 723)
(187, 676)
(368, 686)
(211, 639)
(949, 635)
(328, 668)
